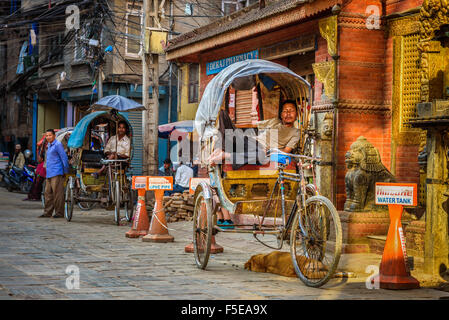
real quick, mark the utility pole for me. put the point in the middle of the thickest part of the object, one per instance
(100, 81)
(150, 67)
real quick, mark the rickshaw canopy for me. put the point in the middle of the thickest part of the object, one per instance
(272, 73)
(77, 137)
(118, 103)
(177, 129)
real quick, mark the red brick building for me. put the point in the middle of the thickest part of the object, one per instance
(360, 56)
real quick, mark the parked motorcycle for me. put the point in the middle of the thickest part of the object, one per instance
(18, 179)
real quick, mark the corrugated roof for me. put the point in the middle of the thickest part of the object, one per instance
(241, 18)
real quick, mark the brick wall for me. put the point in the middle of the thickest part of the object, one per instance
(254, 43)
(375, 127)
(407, 168)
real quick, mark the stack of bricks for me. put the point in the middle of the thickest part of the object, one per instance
(179, 207)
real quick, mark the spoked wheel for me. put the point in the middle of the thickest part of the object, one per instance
(43, 194)
(315, 243)
(116, 190)
(129, 206)
(69, 200)
(202, 229)
(25, 187)
(86, 206)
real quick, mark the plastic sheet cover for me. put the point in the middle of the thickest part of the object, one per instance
(209, 107)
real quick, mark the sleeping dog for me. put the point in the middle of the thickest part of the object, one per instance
(278, 262)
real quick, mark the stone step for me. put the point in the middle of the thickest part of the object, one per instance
(377, 244)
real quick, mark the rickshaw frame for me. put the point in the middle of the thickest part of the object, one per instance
(307, 201)
(115, 189)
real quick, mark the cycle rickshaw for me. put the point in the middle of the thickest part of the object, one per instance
(278, 195)
(86, 145)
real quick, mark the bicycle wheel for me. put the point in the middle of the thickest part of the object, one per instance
(202, 229)
(129, 206)
(43, 194)
(116, 190)
(25, 186)
(86, 206)
(315, 243)
(69, 201)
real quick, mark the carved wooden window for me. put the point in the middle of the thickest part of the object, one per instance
(410, 82)
(134, 21)
(193, 82)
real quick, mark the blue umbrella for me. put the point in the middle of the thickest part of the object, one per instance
(118, 103)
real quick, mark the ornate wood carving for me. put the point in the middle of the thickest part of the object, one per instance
(404, 26)
(406, 80)
(325, 73)
(433, 14)
(328, 30)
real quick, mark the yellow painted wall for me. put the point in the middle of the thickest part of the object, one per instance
(187, 110)
(48, 116)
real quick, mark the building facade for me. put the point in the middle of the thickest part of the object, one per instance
(345, 50)
(52, 73)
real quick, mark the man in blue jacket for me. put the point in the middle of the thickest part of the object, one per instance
(57, 166)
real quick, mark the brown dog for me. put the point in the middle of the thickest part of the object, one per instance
(278, 262)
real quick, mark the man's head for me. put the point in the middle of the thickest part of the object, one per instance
(288, 113)
(50, 135)
(122, 128)
(18, 148)
(167, 164)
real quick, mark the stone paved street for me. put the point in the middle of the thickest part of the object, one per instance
(36, 252)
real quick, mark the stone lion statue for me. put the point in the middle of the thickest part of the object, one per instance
(364, 170)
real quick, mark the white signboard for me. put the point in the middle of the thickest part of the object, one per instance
(140, 182)
(396, 193)
(160, 183)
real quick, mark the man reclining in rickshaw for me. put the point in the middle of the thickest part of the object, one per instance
(118, 146)
(287, 140)
(256, 146)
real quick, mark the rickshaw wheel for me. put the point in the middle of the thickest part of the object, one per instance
(86, 206)
(43, 194)
(117, 203)
(68, 207)
(315, 257)
(202, 229)
(129, 206)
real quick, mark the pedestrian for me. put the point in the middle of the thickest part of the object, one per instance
(18, 159)
(182, 180)
(40, 174)
(57, 165)
(166, 169)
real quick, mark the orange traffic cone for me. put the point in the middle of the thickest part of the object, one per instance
(158, 228)
(141, 223)
(214, 247)
(394, 272)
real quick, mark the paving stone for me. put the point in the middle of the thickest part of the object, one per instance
(36, 252)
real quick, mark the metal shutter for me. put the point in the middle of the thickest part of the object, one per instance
(135, 119)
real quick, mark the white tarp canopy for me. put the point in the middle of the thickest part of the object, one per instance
(209, 107)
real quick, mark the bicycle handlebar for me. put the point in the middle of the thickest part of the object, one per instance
(106, 161)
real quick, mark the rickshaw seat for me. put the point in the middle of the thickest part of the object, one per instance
(91, 159)
(269, 166)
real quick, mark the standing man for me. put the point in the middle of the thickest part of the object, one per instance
(57, 166)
